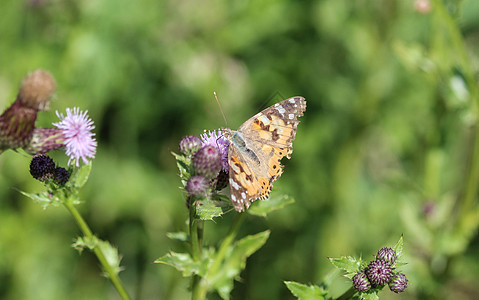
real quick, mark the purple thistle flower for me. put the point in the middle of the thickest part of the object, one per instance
(217, 140)
(79, 140)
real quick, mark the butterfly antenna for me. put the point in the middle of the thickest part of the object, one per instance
(221, 109)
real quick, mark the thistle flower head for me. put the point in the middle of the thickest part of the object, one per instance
(61, 176)
(42, 167)
(197, 185)
(361, 282)
(379, 272)
(36, 90)
(388, 254)
(190, 144)
(217, 140)
(398, 283)
(76, 127)
(207, 161)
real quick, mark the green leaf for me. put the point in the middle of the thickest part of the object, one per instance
(262, 208)
(305, 292)
(183, 164)
(80, 176)
(369, 296)
(111, 253)
(398, 248)
(184, 263)
(347, 263)
(235, 262)
(208, 209)
(45, 199)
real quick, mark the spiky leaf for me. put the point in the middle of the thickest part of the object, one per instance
(306, 292)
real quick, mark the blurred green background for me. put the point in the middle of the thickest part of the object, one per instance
(383, 149)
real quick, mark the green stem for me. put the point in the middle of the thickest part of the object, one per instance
(202, 287)
(471, 187)
(98, 252)
(196, 238)
(226, 244)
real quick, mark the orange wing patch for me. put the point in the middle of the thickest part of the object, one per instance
(262, 141)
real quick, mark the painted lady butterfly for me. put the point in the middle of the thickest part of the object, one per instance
(256, 149)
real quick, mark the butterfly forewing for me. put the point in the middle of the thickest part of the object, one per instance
(256, 150)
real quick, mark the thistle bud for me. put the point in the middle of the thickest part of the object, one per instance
(18, 121)
(207, 161)
(388, 254)
(61, 176)
(398, 283)
(361, 282)
(190, 144)
(197, 186)
(42, 167)
(379, 272)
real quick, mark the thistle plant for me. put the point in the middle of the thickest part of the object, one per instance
(203, 170)
(367, 278)
(73, 133)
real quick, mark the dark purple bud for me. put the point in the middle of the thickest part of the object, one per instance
(207, 161)
(398, 283)
(190, 144)
(42, 167)
(61, 176)
(361, 282)
(379, 272)
(388, 254)
(197, 185)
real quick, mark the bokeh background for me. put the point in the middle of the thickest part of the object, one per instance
(384, 147)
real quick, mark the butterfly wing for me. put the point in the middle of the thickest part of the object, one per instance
(268, 137)
(244, 187)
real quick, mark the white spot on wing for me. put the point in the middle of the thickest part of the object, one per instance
(243, 195)
(233, 198)
(281, 109)
(291, 116)
(291, 100)
(234, 184)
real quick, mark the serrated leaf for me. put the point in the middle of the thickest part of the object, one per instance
(369, 296)
(80, 176)
(184, 263)
(235, 262)
(45, 199)
(262, 208)
(183, 164)
(110, 253)
(178, 236)
(347, 263)
(208, 209)
(398, 248)
(305, 292)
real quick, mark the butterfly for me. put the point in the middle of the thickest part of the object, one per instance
(256, 149)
